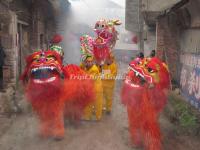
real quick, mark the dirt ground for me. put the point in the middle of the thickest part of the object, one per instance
(109, 134)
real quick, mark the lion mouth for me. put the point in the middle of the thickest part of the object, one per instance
(44, 81)
(44, 74)
(139, 77)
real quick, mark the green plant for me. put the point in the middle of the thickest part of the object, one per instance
(182, 115)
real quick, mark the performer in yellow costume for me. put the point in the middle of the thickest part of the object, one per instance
(89, 66)
(109, 72)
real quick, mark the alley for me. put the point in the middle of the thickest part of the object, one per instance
(171, 28)
(111, 133)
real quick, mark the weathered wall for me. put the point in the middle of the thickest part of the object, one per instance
(168, 46)
(132, 15)
(149, 40)
(8, 39)
(194, 9)
(190, 41)
(158, 5)
(22, 10)
(22, 24)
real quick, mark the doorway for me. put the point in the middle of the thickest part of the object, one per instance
(23, 45)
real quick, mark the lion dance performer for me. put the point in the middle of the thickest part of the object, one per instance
(109, 73)
(101, 48)
(88, 65)
(145, 94)
(50, 89)
(104, 44)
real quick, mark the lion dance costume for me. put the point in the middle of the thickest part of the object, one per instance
(144, 92)
(54, 92)
(88, 65)
(109, 72)
(101, 48)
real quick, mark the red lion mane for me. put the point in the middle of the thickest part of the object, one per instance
(144, 92)
(54, 92)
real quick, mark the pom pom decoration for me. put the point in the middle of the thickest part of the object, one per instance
(56, 39)
(86, 46)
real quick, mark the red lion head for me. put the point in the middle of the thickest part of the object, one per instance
(147, 75)
(54, 92)
(43, 67)
(44, 71)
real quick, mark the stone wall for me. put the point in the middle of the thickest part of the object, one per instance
(7, 104)
(25, 21)
(8, 35)
(24, 24)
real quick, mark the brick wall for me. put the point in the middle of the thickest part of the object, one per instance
(168, 45)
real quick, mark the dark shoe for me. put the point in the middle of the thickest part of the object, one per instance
(58, 138)
(2, 90)
(108, 112)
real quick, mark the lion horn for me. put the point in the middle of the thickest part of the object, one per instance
(116, 22)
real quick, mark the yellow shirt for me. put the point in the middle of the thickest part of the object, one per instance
(95, 75)
(109, 72)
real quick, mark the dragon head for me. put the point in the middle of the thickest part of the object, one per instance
(105, 40)
(43, 67)
(106, 28)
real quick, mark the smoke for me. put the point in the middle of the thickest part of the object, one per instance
(79, 18)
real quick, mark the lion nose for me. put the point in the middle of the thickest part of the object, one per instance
(42, 60)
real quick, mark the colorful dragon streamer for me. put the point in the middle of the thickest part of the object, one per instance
(55, 91)
(144, 92)
(86, 46)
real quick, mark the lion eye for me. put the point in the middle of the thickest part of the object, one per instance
(140, 63)
(35, 60)
(51, 58)
(97, 25)
(150, 70)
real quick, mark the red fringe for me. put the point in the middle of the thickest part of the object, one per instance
(79, 91)
(101, 54)
(143, 124)
(52, 101)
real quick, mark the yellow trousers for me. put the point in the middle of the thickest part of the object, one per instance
(95, 108)
(108, 89)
